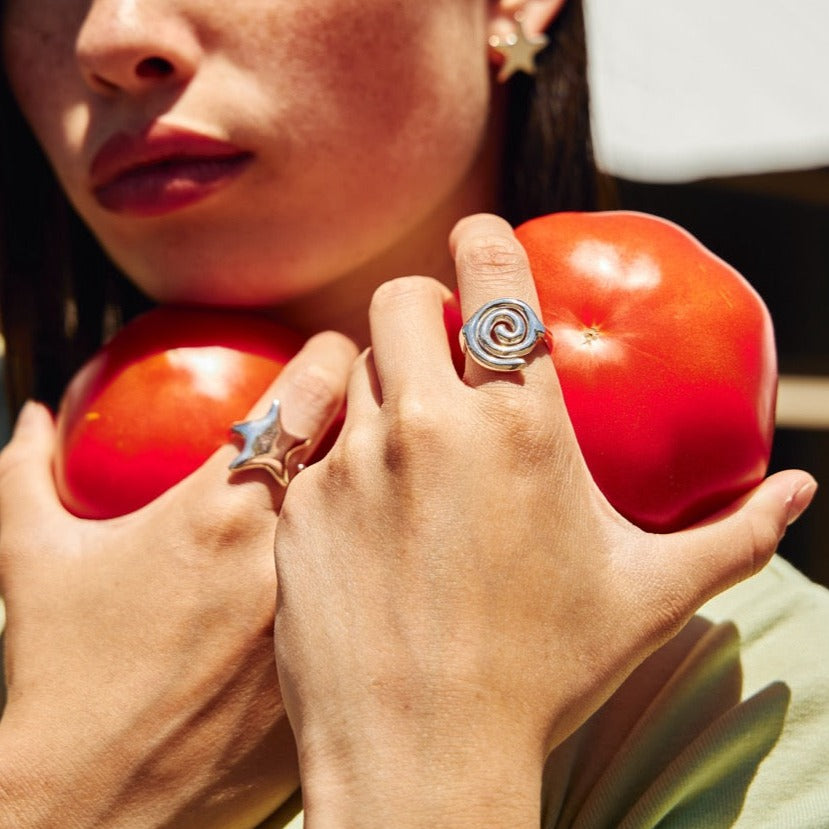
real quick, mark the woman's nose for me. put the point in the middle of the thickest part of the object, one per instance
(133, 46)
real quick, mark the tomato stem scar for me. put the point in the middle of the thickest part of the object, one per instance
(591, 335)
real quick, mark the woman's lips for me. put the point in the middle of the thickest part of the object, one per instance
(161, 170)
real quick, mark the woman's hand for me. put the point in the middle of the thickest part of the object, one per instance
(455, 595)
(142, 689)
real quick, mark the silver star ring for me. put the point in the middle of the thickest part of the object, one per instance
(268, 445)
(501, 333)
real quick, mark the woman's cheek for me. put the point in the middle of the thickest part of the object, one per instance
(390, 73)
(44, 79)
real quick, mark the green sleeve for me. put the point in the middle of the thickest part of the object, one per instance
(727, 726)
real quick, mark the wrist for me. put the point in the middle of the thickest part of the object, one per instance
(464, 776)
(76, 777)
(36, 788)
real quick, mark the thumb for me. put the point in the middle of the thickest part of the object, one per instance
(739, 542)
(27, 487)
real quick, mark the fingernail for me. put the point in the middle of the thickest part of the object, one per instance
(801, 499)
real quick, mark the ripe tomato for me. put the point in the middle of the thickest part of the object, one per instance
(666, 360)
(157, 400)
(665, 355)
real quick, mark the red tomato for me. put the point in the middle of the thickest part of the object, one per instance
(665, 355)
(666, 359)
(157, 400)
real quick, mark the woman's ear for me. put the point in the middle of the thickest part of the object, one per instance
(535, 16)
(516, 33)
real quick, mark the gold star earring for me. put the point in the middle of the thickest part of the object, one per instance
(518, 50)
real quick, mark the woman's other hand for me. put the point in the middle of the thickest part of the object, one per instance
(455, 595)
(142, 689)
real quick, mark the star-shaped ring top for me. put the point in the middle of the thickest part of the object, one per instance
(268, 445)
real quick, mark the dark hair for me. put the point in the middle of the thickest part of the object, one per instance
(549, 164)
(60, 296)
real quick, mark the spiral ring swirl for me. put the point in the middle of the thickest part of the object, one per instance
(500, 333)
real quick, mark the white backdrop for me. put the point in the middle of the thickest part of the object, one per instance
(685, 89)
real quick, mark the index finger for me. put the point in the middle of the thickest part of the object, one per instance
(310, 392)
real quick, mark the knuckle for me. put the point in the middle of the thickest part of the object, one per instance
(662, 602)
(232, 525)
(417, 433)
(763, 535)
(337, 469)
(328, 340)
(413, 418)
(401, 289)
(219, 520)
(316, 390)
(670, 617)
(492, 256)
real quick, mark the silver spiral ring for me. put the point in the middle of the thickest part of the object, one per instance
(499, 334)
